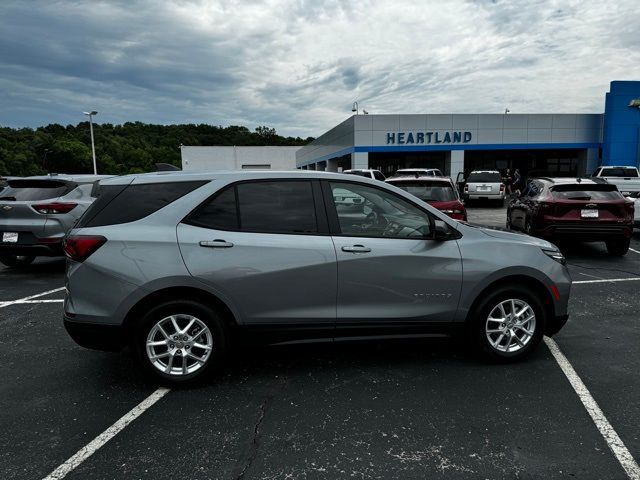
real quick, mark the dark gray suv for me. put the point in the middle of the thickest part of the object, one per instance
(176, 264)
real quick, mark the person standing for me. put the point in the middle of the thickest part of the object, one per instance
(507, 180)
(517, 182)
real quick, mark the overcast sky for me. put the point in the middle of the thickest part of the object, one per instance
(299, 65)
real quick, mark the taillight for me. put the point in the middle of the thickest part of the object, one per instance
(466, 189)
(502, 187)
(80, 247)
(56, 207)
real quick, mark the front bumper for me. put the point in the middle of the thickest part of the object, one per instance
(94, 335)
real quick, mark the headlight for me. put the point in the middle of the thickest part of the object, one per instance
(556, 255)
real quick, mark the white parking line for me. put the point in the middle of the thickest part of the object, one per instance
(26, 299)
(615, 443)
(95, 444)
(608, 280)
(634, 251)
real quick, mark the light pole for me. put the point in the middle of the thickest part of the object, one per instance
(354, 108)
(93, 146)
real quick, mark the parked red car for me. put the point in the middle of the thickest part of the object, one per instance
(582, 210)
(439, 192)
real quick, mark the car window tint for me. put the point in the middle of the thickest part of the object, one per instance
(359, 173)
(429, 191)
(586, 192)
(127, 203)
(371, 212)
(219, 213)
(378, 176)
(25, 190)
(484, 177)
(619, 172)
(277, 207)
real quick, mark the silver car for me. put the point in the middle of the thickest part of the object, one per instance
(36, 213)
(484, 185)
(205, 258)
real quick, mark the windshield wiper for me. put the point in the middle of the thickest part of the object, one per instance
(578, 198)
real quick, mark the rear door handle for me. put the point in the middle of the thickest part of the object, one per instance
(356, 249)
(218, 243)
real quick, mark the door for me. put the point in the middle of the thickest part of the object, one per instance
(265, 248)
(390, 270)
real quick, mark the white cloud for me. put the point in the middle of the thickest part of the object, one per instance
(298, 65)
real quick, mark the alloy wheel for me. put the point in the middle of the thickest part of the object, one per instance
(510, 325)
(179, 345)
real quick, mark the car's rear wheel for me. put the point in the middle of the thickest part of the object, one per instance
(618, 247)
(181, 342)
(16, 261)
(508, 324)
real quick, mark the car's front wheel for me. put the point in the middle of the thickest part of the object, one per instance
(16, 261)
(181, 342)
(618, 247)
(508, 324)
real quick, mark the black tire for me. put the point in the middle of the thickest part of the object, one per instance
(208, 316)
(478, 323)
(16, 261)
(618, 247)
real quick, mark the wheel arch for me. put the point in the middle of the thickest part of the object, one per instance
(531, 283)
(180, 293)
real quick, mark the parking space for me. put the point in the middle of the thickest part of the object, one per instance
(420, 409)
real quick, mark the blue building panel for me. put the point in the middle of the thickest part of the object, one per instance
(621, 136)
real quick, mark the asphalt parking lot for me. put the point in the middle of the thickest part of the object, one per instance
(407, 410)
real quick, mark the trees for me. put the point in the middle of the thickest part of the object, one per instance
(120, 149)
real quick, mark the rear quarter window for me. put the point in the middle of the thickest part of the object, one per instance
(119, 204)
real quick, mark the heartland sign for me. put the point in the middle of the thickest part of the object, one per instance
(422, 138)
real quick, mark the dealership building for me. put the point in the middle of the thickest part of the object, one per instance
(538, 144)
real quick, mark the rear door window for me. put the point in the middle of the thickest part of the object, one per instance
(586, 192)
(261, 207)
(378, 176)
(277, 207)
(484, 177)
(26, 190)
(118, 204)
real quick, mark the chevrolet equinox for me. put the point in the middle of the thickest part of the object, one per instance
(175, 265)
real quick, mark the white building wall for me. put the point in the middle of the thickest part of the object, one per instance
(238, 158)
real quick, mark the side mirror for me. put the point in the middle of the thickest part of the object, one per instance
(442, 231)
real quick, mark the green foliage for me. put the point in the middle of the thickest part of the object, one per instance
(133, 147)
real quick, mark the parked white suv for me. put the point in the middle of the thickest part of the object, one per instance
(373, 174)
(484, 185)
(627, 179)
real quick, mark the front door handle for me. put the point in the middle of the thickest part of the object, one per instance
(356, 249)
(217, 243)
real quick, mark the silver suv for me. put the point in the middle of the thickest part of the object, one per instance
(36, 213)
(174, 265)
(484, 185)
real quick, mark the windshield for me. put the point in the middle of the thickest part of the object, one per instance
(586, 192)
(25, 190)
(484, 177)
(429, 191)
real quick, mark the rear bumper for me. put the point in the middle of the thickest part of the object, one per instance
(95, 336)
(484, 196)
(36, 250)
(585, 233)
(555, 325)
